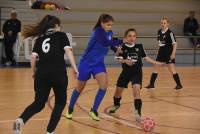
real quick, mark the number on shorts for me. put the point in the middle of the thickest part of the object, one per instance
(46, 45)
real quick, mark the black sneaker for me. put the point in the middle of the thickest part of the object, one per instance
(113, 109)
(178, 87)
(150, 87)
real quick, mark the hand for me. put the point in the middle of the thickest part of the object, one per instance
(33, 75)
(172, 56)
(119, 51)
(121, 61)
(9, 33)
(129, 62)
(160, 63)
(125, 40)
(75, 72)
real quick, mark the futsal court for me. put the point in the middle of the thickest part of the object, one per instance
(174, 112)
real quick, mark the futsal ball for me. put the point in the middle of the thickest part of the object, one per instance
(147, 124)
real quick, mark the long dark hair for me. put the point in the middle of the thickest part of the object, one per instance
(103, 18)
(40, 28)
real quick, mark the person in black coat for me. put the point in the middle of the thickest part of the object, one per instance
(190, 28)
(11, 28)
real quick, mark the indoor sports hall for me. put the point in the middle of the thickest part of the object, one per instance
(174, 111)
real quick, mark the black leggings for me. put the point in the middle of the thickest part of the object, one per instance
(42, 86)
(9, 42)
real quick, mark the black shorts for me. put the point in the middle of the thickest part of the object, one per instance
(164, 54)
(166, 60)
(134, 76)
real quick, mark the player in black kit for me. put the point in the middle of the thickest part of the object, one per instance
(131, 58)
(50, 71)
(166, 53)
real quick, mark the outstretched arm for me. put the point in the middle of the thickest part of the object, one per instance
(173, 55)
(150, 60)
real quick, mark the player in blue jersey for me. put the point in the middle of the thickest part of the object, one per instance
(92, 63)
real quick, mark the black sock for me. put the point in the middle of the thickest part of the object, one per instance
(177, 79)
(153, 78)
(138, 105)
(117, 101)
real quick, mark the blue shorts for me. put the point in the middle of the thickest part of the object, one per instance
(86, 70)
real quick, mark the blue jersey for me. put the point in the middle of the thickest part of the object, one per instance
(98, 46)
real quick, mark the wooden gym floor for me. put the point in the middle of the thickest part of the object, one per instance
(174, 112)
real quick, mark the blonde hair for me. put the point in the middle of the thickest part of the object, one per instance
(165, 18)
(13, 11)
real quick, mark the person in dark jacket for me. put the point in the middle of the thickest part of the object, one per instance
(190, 28)
(11, 28)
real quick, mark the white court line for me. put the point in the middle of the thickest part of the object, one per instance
(44, 119)
(135, 126)
(174, 114)
(184, 88)
(107, 116)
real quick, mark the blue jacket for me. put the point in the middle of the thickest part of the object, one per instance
(98, 46)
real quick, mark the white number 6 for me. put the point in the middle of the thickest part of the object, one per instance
(45, 45)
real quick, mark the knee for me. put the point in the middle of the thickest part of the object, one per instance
(61, 101)
(136, 92)
(60, 105)
(172, 72)
(103, 87)
(137, 97)
(79, 89)
(38, 106)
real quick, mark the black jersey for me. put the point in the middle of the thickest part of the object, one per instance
(13, 25)
(135, 52)
(50, 51)
(166, 41)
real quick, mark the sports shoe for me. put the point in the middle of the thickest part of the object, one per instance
(113, 109)
(68, 114)
(150, 86)
(94, 115)
(50, 133)
(137, 117)
(8, 63)
(178, 87)
(17, 126)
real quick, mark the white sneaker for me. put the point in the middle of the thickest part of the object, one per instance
(137, 117)
(50, 133)
(17, 126)
(8, 63)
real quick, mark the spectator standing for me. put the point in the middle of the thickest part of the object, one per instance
(11, 28)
